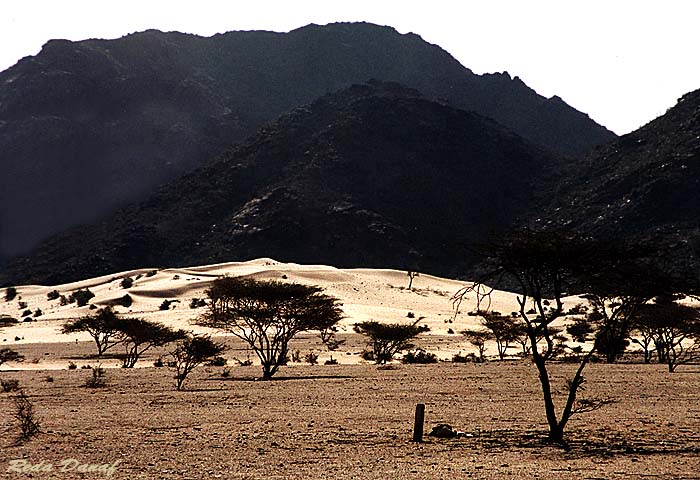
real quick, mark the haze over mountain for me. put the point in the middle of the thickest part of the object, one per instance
(88, 126)
(643, 186)
(371, 176)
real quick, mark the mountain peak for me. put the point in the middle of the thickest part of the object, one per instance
(90, 126)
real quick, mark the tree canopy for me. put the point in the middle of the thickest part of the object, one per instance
(268, 314)
(543, 267)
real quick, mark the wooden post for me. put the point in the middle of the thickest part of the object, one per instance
(418, 423)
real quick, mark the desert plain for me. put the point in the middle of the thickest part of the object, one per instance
(346, 421)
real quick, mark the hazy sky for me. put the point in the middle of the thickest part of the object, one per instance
(624, 62)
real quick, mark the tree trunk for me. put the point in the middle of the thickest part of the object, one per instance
(556, 432)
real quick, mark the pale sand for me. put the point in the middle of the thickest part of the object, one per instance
(366, 294)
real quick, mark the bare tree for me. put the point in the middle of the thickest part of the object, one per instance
(103, 327)
(191, 352)
(411, 275)
(388, 339)
(268, 314)
(544, 266)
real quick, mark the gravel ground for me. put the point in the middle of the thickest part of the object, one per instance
(353, 421)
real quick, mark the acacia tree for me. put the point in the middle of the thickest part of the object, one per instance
(544, 266)
(141, 335)
(478, 338)
(674, 328)
(505, 330)
(580, 330)
(388, 339)
(191, 352)
(103, 327)
(268, 314)
(644, 331)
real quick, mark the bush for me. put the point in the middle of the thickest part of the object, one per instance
(217, 361)
(296, 356)
(9, 355)
(27, 313)
(25, 415)
(158, 363)
(97, 380)
(198, 302)
(226, 372)
(9, 385)
(127, 282)
(23, 305)
(125, 301)
(166, 304)
(72, 366)
(53, 295)
(10, 294)
(38, 313)
(459, 358)
(410, 315)
(331, 361)
(81, 297)
(6, 321)
(419, 356)
(311, 358)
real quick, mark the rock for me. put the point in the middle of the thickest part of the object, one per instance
(443, 430)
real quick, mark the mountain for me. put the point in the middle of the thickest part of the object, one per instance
(644, 186)
(86, 127)
(372, 176)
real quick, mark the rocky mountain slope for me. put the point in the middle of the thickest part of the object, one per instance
(88, 126)
(645, 185)
(373, 176)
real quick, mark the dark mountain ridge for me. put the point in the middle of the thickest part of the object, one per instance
(86, 127)
(373, 176)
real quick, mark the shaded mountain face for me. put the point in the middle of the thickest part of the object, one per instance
(644, 186)
(371, 176)
(88, 126)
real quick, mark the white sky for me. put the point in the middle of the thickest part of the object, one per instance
(624, 62)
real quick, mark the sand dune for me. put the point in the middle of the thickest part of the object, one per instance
(366, 294)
